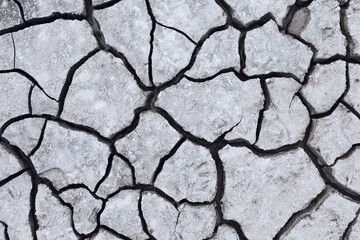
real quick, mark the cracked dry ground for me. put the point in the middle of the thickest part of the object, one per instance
(187, 119)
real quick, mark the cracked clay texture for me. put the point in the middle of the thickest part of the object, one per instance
(180, 119)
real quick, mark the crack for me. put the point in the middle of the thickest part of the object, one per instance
(29, 77)
(38, 144)
(235, 225)
(242, 51)
(29, 98)
(11, 177)
(338, 101)
(6, 234)
(113, 232)
(297, 216)
(34, 225)
(21, 9)
(14, 49)
(141, 215)
(61, 122)
(177, 30)
(43, 20)
(267, 101)
(88, 9)
(348, 229)
(107, 171)
(181, 73)
(69, 79)
(153, 22)
(165, 158)
(346, 155)
(106, 4)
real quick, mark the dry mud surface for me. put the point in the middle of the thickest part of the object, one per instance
(188, 119)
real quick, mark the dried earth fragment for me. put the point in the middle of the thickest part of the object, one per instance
(204, 15)
(126, 26)
(352, 97)
(15, 207)
(151, 140)
(195, 222)
(346, 171)
(261, 193)
(68, 157)
(54, 219)
(7, 52)
(9, 163)
(353, 22)
(332, 220)
(53, 48)
(249, 11)
(172, 52)
(219, 51)
(225, 232)
(333, 135)
(43, 8)
(10, 14)
(120, 175)
(161, 217)
(122, 211)
(323, 29)
(189, 174)
(91, 102)
(286, 120)
(325, 86)
(25, 133)
(196, 106)
(14, 87)
(267, 50)
(86, 208)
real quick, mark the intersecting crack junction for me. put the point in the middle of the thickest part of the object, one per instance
(180, 120)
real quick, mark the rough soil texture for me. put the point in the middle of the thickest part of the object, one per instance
(179, 120)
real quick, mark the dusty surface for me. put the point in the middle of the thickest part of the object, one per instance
(169, 120)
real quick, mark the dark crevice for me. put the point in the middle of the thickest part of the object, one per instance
(347, 232)
(350, 108)
(326, 174)
(165, 158)
(115, 233)
(134, 123)
(266, 106)
(43, 20)
(29, 98)
(61, 122)
(143, 222)
(21, 9)
(127, 161)
(69, 79)
(106, 4)
(242, 51)
(353, 148)
(6, 234)
(38, 144)
(148, 188)
(153, 27)
(339, 100)
(34, 225)
(11, 177)
(237, 228)
(179, 31)
(29, 77)
(296, 217)
(107, 171)
(14, 49)
(197, 48)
